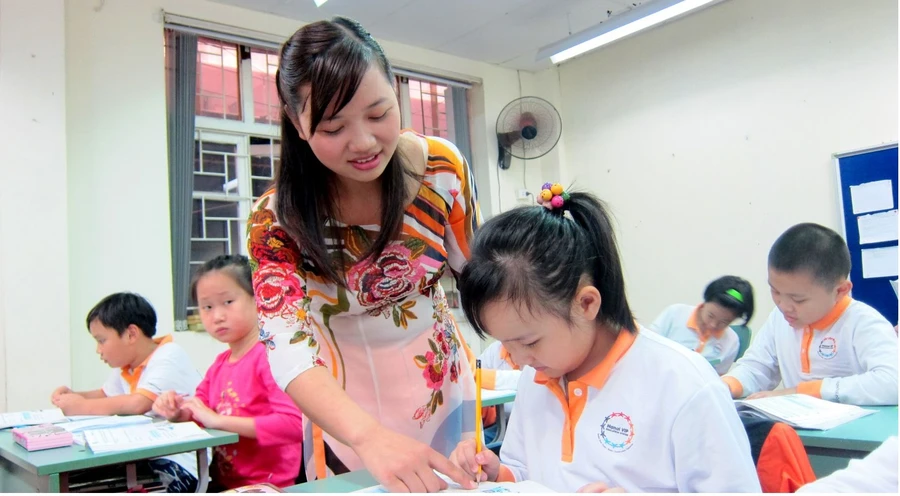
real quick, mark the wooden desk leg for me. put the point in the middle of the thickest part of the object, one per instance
(64, 482)
(202, 470)
(130, 475)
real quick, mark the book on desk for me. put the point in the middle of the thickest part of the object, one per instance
(802, 411)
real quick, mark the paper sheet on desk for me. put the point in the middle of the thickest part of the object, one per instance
(23, 419)
(142, 436)
(872, 197)
(105, 422)
(802, 411)
(484, 487)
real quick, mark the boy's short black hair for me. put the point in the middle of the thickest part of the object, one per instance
(120, 310)
(812, 248)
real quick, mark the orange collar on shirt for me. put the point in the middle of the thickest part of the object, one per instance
(597, 376)
(820, 325)
(832, 316)
(574, 400)
(692, 325)
(132, 377)
(504, 354)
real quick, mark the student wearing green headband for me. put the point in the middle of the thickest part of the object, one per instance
(704, 328)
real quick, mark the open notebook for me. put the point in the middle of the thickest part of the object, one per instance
(801, 411)
(142, 436)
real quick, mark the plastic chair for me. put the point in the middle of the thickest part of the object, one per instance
(743, 333)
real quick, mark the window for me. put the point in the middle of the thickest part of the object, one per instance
(236, 148)
(423, 106)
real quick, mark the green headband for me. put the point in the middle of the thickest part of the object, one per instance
(736, 295)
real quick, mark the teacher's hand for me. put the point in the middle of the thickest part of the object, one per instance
(402, 464)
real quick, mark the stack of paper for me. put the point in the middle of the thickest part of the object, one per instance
(22, 419)
(78, 427)
(105, 422)
(40, 437)
(142, 436)
(802, 411)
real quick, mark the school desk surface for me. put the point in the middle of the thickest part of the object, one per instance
(344, 483)
(47, 470)
(498, 397)
(832, 450)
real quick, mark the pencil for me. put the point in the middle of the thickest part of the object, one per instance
(478, 426)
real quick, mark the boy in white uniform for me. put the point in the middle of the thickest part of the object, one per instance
(704, 328)
(818, 341)
(601, 400)
(123, 324)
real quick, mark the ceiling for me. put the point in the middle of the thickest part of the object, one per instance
(508, 33)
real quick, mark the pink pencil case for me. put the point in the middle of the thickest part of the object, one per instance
(41, 437)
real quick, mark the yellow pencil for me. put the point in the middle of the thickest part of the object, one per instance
(478, 425)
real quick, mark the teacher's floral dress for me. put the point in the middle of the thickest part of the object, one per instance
(389, 338)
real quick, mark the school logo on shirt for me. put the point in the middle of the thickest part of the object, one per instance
(828, 348)
(616, 432)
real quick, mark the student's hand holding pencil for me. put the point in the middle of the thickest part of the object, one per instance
(466, 458)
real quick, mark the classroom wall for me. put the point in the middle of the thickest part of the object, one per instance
(34, 263)
(711, 135)
(117, 186)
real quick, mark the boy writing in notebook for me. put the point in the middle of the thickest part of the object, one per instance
(818, 341)
(123, 324)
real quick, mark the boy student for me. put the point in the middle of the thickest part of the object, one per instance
(123, 324)
(818, 340)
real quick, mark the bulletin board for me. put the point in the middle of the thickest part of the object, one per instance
(867, 193)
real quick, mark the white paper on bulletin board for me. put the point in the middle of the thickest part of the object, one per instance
(879, 262)
(876, 228)
(872, 197)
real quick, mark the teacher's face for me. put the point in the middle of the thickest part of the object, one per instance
(357, 142)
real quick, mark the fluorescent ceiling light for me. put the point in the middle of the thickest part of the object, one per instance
(320, 2)
(620, 26)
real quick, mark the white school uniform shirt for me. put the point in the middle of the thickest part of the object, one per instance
(651, 417)
(168, 368)
(679, 323)
(850, 356)
(499, 371)
(876, 473)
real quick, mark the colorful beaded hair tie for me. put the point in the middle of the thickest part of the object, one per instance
(552, 196)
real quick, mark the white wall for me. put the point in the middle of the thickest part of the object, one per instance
(118, 186)
(34, 265)
(712, 135)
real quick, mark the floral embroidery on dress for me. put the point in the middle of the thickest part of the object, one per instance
(442, 360)
(279, 290)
